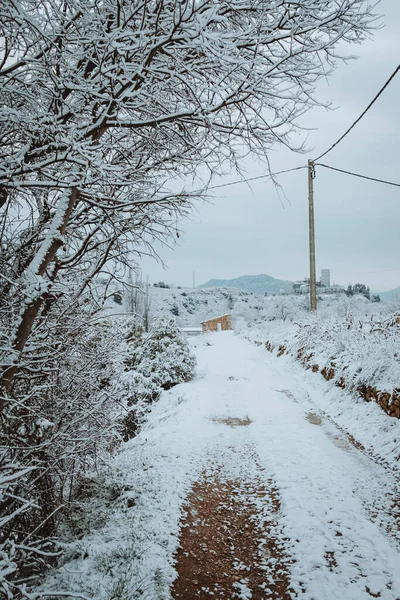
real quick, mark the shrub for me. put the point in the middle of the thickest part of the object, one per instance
(157, 361)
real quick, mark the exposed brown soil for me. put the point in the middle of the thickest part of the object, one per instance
(313, 418)
(225, 548)
(233, 421)
(331, 559)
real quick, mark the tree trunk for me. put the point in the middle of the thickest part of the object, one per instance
(49, 249)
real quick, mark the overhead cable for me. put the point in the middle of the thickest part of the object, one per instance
(362, 114)
(269, 175)
(358, 175)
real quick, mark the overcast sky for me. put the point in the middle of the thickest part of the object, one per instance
(247, 231)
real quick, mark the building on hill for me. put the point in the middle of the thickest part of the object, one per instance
(289, 287)
(326, 278)
(301, 287)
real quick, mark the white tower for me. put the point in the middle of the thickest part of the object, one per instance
(326, 278)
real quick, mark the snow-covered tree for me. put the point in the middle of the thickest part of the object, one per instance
(100, 107)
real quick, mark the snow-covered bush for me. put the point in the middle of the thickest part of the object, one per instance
(362, 350)
(60, 425)
(163, 355)
(350, 340)
(156, 361)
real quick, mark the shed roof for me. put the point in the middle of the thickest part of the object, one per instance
(215, 318)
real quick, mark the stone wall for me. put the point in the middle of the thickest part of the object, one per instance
(223, 323)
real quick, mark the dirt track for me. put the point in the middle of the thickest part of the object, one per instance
(228, 548)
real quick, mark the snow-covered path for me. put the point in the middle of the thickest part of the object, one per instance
(329, 491)
(335, 517)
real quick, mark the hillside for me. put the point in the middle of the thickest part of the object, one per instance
(255, 284)
(191, 306)
(390, 294)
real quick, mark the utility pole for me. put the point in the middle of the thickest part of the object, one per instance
(313, 278)
(194, 279)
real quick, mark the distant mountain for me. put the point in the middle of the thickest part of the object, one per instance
(256, 284)
(389, 294)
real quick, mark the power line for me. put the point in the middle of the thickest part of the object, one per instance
(259, 177)
(362, 114)
(358, 175)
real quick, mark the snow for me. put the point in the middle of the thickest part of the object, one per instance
(53, 232)
(244, 593)
(334, 498)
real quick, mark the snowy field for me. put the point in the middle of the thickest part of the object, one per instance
(336, 500)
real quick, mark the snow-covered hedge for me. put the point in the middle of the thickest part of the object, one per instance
(60, 423)
(156, 361)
